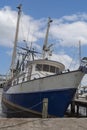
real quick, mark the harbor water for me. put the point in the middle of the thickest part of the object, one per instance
(82, 112)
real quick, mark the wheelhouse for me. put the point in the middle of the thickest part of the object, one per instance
(44, 68)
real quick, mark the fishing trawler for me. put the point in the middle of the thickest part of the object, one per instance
(32, 81)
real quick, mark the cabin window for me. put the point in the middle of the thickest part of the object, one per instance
(57, 70)
(46, 68)
(52, 69)
(38, 67)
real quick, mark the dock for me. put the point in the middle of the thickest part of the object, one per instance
(75, 106)
(43, 124)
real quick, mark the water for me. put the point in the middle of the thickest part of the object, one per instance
(82, 111)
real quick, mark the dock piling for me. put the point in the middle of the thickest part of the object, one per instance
(45, 108)
(72, 108)
(77, 110)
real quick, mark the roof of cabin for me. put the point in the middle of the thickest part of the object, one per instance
(48, 62)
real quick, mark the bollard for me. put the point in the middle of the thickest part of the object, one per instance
(45, 108)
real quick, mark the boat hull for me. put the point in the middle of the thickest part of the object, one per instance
(58, 101)
(59, 90)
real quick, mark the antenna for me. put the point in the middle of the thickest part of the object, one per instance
(79, 52)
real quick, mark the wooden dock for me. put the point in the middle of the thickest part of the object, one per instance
(46, 123)
(76, 104)
(43, 124)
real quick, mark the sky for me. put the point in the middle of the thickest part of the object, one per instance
(69, 26)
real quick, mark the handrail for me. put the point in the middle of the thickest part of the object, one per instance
(18, 79)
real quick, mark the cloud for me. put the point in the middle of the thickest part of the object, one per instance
(68, 34)
(65, 31)
(74, 17)
(29, 27)
(66, 60)
(61, 58)
(7, 26)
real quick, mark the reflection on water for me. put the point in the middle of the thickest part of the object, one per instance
(82, 111)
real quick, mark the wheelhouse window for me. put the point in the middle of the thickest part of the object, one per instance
(52, 69)
(57, 70)
(39, 67)
(46, 68)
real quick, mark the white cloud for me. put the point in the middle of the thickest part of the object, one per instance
(66, 60)
(7, 26)
(69, 34)
(29, 27)
(66, 31)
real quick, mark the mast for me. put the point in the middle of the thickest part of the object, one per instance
(15, 41)
(45, 48)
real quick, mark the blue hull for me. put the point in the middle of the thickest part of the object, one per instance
(58, 101)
